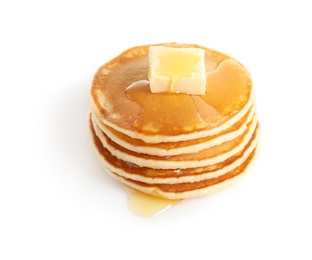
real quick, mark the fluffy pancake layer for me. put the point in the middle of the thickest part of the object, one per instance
(174, 146)
(177, 183)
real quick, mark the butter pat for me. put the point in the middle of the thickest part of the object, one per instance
(177, 70)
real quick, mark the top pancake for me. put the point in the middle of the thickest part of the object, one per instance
(121, 98)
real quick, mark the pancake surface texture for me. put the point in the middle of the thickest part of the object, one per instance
(173, 145)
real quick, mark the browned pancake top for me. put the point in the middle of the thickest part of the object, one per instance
(136, 109)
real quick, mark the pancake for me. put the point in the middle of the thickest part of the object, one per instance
(190, 189)
(149, 175)
(181, 186)
(126, 107)
(210, 155)
(173, 145)
(174, 148)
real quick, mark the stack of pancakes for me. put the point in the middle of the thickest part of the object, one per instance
(171, 145)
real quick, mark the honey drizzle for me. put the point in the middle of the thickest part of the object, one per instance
(145, 205)
(164, 112)
(227, 91)
(228, 87)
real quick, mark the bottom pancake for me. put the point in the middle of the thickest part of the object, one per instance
(178, 190)
(189, 190)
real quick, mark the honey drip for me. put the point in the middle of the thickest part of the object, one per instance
(164, 112)
(227, 91)
(145, 205)
(228, 87)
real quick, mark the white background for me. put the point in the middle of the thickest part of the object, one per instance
(55, 200)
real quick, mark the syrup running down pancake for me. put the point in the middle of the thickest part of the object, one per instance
(173, 145)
